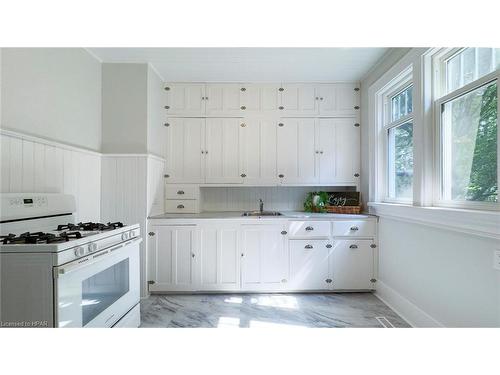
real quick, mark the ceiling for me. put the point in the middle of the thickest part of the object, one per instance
(250, 64)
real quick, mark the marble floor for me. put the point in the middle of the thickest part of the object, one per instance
(268, 311)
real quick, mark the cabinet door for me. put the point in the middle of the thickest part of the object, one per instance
(222, 99)
(219, 258)
(296, 151)
(264, 263)
(173, 258)
(298, 100)
(352, 264)
(339, 99)
(269, 98)
(185, 142)
(309, 264)
(258, 151)
(250, 98)
(185, 99)
(347, 151)
(222, 150)
(325, 136)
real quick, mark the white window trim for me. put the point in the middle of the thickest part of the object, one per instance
(440, 96)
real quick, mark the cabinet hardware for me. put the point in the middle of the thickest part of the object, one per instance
(281, 175)
(329, 246)
(308, 247)
(317, 152)
(166, 124)
(320, 98)
(192, 255)
(202, 98)
(373, 246)
(317, 98)
(151, 234)
(206, 97)
(242, 254)
(202, 151)
(281, 124)
(284, 280)
(243, 107)
(243, 89)
(281, 89)
(356, 107)
(354, 228)
(167, 88)
(206, 151)
(180, 192)
(353, 247)
(281, 107)
(321, 152)
(356, 125)
(166, 175)
(151, 282)
(283, 232)
(373, 280)
(309, 228)
(328, 281)
(180, 206)
(356, 174)
(167, 107)
(356, 89)
(243, 125)
(243, 175)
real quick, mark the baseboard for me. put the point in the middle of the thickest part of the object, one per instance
(413, 315)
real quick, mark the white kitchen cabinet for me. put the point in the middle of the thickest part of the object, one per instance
(223, 99)
(222, 150)
(258, 151)
(309, 264)
(296, 151)
(185, 144)
(185, 99)
(298, 100)
(172, 257)
(352, 263)
(218, 261)
(259, 99)
(264, 263)
(339, 99)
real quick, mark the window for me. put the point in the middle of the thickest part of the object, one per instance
(399, 135)
(468, 128)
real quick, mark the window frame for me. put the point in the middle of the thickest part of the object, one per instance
(402, 82)
(440, 97)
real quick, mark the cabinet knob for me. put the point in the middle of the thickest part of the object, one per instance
(166, 124)
(354, 228)
(166, 175)
(356, 89)
(356, 174)
(321, 152)
(356, 107)
(243, 175)
(281, 107)
(328, 281)
(281, 89)
(373, 246)
(281, 124)
(353, 247)
(329, 246)
(243, 89)
(243, 107)
(242, 255)
(320, 98)
(202, 98)
(151, 234)
(167, 107)
(180, 206)
(356, 125)
(309, 229)
(202, 151)
(180, 192)
(206, 97)
(283, 232)
(192, 255)
(317, 152)
(281, 175)
(243, 125)
(317, 98)
(308, 247)
(167, 88)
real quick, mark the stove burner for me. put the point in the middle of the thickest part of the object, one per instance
(39, 238)
(90, 226)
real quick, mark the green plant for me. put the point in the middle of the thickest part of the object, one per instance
(316, 201)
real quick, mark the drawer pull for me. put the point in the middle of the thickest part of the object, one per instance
(354, 228)
(328, 281)
(308, 247)
(180, 192)
(309, 229)
(283, 232)
(329, 246)
(353, 247)
(180, 206)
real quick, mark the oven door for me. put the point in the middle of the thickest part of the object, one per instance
(96, 291)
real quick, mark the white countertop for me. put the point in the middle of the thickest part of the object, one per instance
(238, 215)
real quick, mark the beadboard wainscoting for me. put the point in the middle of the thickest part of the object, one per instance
(276, 198)
(35, 165)
(132, 189)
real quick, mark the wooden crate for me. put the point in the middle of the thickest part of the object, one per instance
(343, 209)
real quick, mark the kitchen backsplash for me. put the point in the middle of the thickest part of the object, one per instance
(278, 198)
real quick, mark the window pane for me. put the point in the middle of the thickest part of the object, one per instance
(470, 146)
(470, 64)
(402, 104)
(401, 161)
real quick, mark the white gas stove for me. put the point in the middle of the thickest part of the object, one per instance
(60, 274)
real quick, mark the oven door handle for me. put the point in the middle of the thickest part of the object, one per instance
(91, 259)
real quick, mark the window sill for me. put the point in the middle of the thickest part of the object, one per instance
(474, 222)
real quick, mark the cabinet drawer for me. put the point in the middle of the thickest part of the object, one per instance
(182, 191)
(309, 229)
(181, 206)
(354, 228)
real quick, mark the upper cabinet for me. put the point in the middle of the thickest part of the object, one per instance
(258, 99)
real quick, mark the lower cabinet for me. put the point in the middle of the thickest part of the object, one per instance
(309, 264)
(352, 264)
(264, 263)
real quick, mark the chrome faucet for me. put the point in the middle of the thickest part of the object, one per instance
(261, 205)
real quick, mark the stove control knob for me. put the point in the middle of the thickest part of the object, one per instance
(132, 234)
(92, 247)
(124, 236)
(79, 251)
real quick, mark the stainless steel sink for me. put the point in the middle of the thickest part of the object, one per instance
(261, 213)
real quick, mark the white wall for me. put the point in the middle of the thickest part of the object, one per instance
(53, 93)
(124, 108)
(156, 100)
